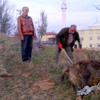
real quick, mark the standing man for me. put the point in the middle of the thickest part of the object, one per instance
(26, 33)
(66, 39)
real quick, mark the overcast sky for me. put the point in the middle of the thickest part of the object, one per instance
(79, 12)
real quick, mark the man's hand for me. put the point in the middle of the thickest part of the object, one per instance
(60, 46)
(35, 37)
(22, 39)
(79, 49)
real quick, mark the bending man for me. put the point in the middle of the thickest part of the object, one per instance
(66, 39)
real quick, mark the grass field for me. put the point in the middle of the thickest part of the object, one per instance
(29, 79)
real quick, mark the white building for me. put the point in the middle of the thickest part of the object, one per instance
(90, 38)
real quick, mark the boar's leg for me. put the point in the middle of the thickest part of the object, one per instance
(75, 90)
(86, 77)
(64, 72)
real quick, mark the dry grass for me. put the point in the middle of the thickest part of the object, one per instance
(21, 85)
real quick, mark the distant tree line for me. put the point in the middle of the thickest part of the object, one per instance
(6, 17)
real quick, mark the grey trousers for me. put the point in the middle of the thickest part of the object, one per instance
(68, 51)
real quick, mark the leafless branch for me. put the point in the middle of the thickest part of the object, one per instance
(6, 17)
(97, 7)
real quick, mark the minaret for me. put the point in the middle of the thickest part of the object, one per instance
(63, 7)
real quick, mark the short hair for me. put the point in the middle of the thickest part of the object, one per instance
(73, 26)
(25, 8)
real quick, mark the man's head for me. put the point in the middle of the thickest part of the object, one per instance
(25, 11)
(72, 29)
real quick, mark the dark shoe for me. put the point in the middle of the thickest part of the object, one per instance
(7, 75)
(28, 60)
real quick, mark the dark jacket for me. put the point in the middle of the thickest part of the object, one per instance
(25, 26)
(62, 37)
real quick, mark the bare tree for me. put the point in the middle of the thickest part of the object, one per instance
(6, 17)
(97, 7)
(19, 11)
(42, 28)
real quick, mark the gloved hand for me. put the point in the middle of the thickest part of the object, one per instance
(79, 49)
(60, 46)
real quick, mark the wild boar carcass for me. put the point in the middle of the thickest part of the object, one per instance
(83, 73)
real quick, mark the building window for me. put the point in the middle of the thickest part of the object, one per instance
(98, 31)
(90, 32)
(98, 45)
(90, 45)
(82, 32)
(98, 37)
(90, 38)
(82, 38)
(75, 46)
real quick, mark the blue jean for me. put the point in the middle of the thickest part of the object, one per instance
(26, 47)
